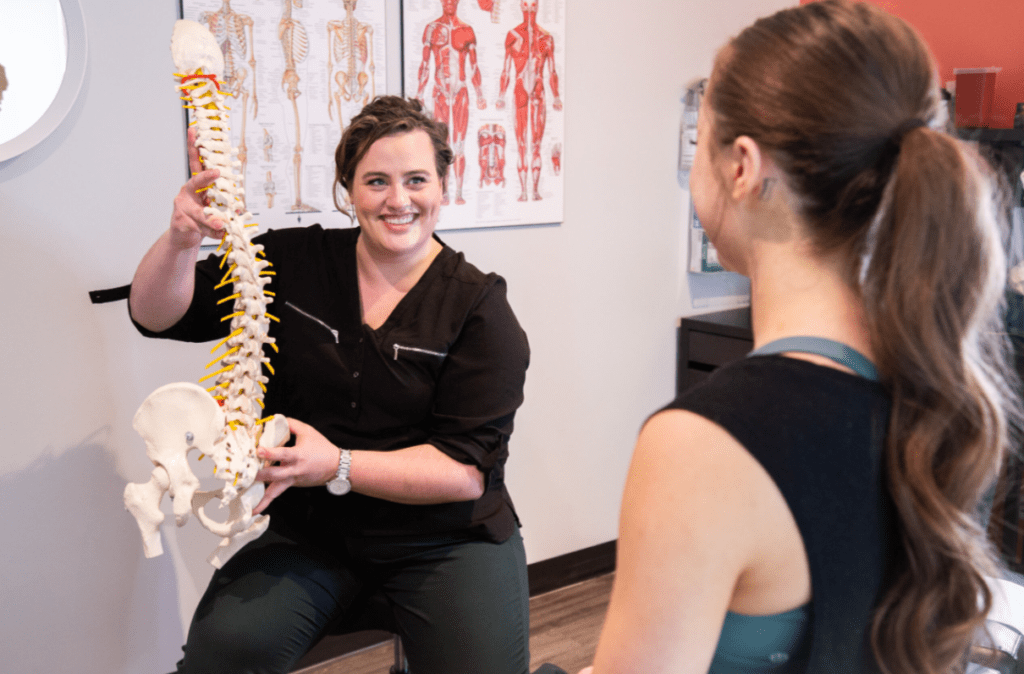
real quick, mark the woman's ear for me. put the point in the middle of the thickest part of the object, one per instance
(745, 168)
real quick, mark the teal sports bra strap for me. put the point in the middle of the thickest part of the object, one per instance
(831, 349)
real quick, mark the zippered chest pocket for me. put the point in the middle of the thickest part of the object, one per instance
(416, 352)
(316, 323)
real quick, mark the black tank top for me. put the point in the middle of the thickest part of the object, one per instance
(819, 433)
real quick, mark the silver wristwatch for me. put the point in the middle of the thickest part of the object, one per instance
(340, 484)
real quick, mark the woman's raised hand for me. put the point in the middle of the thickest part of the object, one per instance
(189, 224)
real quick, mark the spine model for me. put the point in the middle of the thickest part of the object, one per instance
(238, 381)
(223, 421)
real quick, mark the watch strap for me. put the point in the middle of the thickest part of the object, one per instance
(344, 464)
(340, 484)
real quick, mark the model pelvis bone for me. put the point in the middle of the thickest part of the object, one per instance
(174, 420)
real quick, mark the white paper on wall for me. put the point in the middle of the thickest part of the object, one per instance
(703, 257)
(494, 71)
(298, 75)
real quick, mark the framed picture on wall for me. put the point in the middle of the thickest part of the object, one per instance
(493, 70)
(298, 72)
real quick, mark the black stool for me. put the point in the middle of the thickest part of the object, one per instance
(369, 614)
(372, 613)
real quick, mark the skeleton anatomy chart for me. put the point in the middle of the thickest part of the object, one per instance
(492, 70)
(298, 70)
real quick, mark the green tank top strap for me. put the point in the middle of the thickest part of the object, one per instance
(822, 346)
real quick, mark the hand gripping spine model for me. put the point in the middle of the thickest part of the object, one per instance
(222, 422)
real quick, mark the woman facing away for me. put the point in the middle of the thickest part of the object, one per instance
(400, 370)
(812, 507)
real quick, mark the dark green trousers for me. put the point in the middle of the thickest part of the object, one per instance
(461, 606)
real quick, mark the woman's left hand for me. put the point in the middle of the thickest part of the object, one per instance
(312, 462)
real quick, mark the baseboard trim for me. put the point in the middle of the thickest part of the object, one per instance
(571, 568)
(544, 576)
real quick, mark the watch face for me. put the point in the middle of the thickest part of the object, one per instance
(339, 486)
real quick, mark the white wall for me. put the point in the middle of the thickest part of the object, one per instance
(598, 295)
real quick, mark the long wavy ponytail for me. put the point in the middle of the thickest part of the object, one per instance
(932, 289)
(842, 95)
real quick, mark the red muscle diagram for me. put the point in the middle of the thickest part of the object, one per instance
(451, 43)
(529, 49)
(465, 55)
(491, 142)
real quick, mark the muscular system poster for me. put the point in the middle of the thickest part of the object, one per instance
(493, 70)
(299, 70)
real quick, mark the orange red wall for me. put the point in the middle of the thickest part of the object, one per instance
(972, 34)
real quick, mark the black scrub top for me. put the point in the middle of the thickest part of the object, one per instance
(447, 369)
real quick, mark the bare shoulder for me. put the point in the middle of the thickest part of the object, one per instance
(683, 433)
(697, 480)
(688, 449)
(686, 537)
(698, 476)
(688, 504)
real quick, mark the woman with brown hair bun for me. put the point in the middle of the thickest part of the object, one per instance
(812, 508)
(401, 368)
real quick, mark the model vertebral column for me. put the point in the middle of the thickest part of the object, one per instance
(223, 422)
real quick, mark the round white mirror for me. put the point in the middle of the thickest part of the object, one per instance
(42, 64)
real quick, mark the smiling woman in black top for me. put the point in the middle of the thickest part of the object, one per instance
(400, 362)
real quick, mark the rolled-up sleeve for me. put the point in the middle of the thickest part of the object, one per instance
(201, 322)
(480, 385)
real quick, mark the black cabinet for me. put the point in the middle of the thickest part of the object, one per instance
(708, 341)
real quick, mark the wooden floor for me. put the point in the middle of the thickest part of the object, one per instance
(564, 627)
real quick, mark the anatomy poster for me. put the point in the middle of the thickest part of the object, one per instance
(298, 71)
(493, 70)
